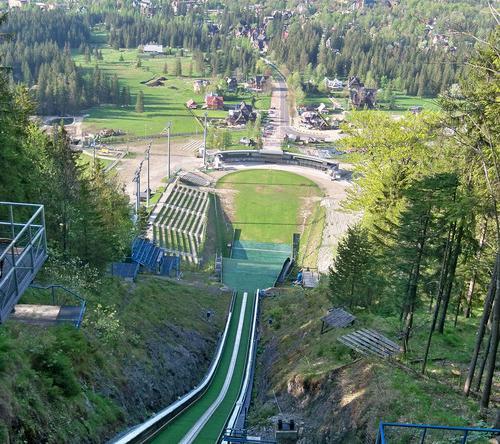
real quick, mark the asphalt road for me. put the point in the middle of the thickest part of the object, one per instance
(279, 117)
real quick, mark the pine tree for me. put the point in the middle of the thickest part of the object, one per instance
(349, 277)
(178, 67)
(139, 105)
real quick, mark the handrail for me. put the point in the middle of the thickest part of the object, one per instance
(236, 412)
(67, 290)
(465, 430)
(142, 432)
(81, 300)
(26, 225)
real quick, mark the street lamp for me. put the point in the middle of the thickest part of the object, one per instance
(148, 155)
(167, 130)
(137, 181)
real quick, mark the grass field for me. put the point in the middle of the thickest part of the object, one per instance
(86, 161)
(270, 206)
(163, 103)
(402, 102)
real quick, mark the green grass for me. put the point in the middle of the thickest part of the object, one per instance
(268, 204)
(403, 102)
(371, 388)
(210, 432)
(162, 104)
(157, 195)
(87, 161)
(52, 377)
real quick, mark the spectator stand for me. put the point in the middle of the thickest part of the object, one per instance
(125, 270)
(336, 318)
(169, 265)
(147, 254)
(23, 251)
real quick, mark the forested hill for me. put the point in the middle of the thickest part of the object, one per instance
(420, 45)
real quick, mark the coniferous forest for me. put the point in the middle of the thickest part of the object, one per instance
(418, 261)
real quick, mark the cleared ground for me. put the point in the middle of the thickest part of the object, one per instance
(268, 205)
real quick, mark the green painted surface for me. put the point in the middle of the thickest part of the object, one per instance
(180, 425)
(254, 265)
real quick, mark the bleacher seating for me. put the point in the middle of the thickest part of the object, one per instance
(125, 270)
(170, 264)
(147, 254)
(181, 221)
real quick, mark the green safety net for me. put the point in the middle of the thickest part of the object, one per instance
(254, 265)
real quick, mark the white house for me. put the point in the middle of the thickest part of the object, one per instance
(153, 49)
(333, 84)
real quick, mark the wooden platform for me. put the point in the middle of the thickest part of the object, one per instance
(336, 318)
(310, 279)
(370, 342)
(46, 314)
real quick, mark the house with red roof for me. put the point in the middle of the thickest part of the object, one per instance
(214, 101)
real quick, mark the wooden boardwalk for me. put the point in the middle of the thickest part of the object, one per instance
(47, 314)
(336, 318)
(370, 342)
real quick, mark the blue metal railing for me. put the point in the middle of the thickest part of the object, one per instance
(57, 299)
(23, 250)
(464, 433)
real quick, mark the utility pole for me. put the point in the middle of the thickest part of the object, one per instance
(148, 155)
(205, 141)
(167, 130)
(137, 181)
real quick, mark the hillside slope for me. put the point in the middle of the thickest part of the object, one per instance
(336, 395)
(141, 346)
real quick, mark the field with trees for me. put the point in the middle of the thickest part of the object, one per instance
(422, 266)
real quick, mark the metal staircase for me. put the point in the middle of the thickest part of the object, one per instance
(23, 251)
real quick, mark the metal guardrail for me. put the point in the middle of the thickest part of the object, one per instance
(238, 416)
(57, 299)
(23, 250)
(423, 431)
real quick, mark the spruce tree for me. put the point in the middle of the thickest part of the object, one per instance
(139, 104)
(349, 277)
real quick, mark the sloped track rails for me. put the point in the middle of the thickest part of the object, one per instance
(202, 415)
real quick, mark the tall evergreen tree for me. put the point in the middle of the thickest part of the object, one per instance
(139, 104)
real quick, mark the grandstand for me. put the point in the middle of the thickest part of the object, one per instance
(150, 256)
(180, 222)
(278, 157)
(196, 179)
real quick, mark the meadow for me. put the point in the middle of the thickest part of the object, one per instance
(162, 104)
(402, 102)
(268, 205)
